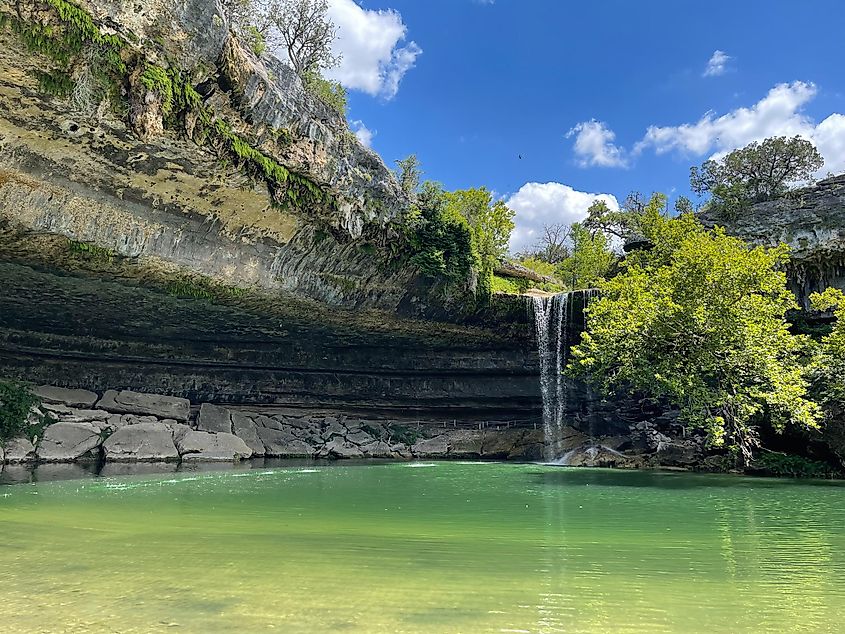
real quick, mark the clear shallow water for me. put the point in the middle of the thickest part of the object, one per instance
(436, 547)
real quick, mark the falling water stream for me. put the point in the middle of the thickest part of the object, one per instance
(556, 331)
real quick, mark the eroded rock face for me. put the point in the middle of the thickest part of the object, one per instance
(69, 442)
(811, 222)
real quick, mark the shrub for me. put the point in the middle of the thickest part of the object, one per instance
(16, 401)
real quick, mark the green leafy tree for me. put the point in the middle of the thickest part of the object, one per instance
(441, 243)
(491, 224)
(828, 368)
(408, 173)
(628, 222)
(758, 172)
(590, 259)
(698, 322)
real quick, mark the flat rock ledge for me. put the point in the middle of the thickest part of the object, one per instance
(120, 427)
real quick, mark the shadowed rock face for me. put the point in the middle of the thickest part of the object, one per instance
(812, 222)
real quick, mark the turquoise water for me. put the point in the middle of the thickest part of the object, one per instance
(434, 547)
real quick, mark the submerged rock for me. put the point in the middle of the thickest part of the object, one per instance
(144, 442)
(69, 442)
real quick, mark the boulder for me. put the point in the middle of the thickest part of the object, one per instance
(378, 449)
(676, 454)
(592, 455)
(283, 444)
(200, 445)
(19, 450)
(245, 428)
(144, 442)
(465, 443)
(128, 402)
(67, 442)
(431, 447)
(215, 419)
(340, 448)
(64, 396)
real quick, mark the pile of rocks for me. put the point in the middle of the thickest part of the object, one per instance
(126, 426)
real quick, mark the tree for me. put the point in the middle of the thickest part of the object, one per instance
(441, 244)
(491, 224)
(626, 223)
(408, 172)
(828, 368)
(758, 172)
(552, 247)
(698, 322)
(306, 33)
(589, 261)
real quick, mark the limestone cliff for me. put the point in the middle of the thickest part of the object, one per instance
(255, 183)
(198, 224)
(812, 222)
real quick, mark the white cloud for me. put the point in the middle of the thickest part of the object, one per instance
(538, 204)
(718, 64)
(779, 113)
(364, 134)
(594, 145)
(374, 59)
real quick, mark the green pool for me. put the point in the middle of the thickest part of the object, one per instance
(440, 547)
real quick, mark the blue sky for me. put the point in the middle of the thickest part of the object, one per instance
(574, 87)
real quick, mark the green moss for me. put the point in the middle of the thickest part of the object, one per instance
(157, 80)
(91, 251)
(77, 32)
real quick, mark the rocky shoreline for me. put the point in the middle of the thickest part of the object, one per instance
(126, 427)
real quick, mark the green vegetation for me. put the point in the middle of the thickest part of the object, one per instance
(510, 285)
(490, 223)
(16, 401)
(157, 80)
(698, 322)
(791, 466)
(331, 93)
(70, 33)
(441, 244)
(756, 173)
(589, 261)
(91, 251)
(202, 288)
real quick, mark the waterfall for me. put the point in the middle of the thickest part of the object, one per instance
(556, 331)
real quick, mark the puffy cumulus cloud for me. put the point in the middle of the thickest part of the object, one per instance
(594, 145)
(538, 204)
(718, 64)
(779, 113)
(364, 134)
(374, 60)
